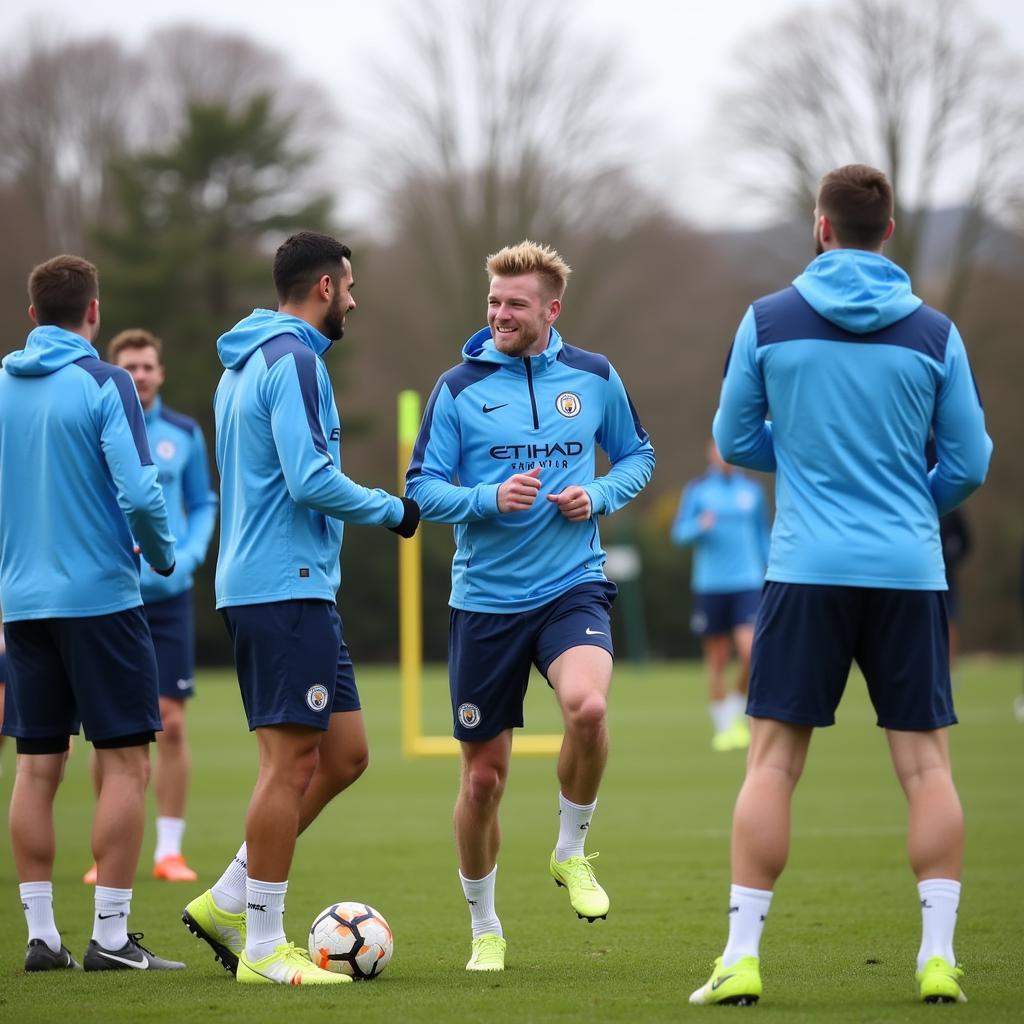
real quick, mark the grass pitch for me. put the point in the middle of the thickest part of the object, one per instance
(839, 944)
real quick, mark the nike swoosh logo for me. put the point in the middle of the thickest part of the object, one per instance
(718, 982)
(595, 632)
(107, 917)
(139, 965)
(490, 408)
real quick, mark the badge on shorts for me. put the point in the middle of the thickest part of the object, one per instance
(568, 404)
(468, 715)
(316, 697)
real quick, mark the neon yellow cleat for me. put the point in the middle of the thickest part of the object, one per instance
(940, 982)
(287, 965)
(586, 896)
(722, 741)
(223, 932)
(737, 985)
(488, 953)
(740, 733)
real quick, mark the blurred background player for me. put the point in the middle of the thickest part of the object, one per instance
(722, 515)
(179, 451)
(78, 484)
(284, 504)
(517, 420)
(3, 680)
(854, 371)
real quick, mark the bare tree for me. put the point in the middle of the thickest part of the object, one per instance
(499, 121)
(921, 88)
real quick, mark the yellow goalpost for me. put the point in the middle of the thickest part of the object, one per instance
(410, 604)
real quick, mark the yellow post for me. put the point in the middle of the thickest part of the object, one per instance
(410, 587)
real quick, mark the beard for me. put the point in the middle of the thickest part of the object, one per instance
(334, 320)
(515, 347)
(818, 247)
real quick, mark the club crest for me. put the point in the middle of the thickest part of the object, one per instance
(469, 716)
(568, 404)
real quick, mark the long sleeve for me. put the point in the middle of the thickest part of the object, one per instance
(433, 469)
(962, 446)
(628, 447)
(126, 451)
(740, 431)
(686, 527)
(291, 392)
(200, 506)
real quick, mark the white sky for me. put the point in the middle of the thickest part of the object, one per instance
(680, 53)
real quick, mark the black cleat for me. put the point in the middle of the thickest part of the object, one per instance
(39, 957)
(132, 956)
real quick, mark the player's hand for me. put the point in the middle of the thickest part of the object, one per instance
(410, 519)
(519, 492)
(163, 572)
(707, 520)
(573, 503)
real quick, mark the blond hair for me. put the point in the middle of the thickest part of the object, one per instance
(134, 337)
(531, 258)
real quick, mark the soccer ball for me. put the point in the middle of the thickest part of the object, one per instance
(351, 938)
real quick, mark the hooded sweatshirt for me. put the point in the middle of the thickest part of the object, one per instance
(854, 371)
(496, 415)
(78, 483)
(283, 494)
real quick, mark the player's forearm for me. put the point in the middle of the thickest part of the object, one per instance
(444, 502)
(622, 483)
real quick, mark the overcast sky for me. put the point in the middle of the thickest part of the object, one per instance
(681, 54)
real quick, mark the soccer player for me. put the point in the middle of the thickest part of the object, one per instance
(78, 484)
(178, 448)
(722, 515)
(3, 682)
(284, 500)
(506, 452)
(854, 370)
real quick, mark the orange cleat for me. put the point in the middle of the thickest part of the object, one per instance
(90, 876)
(173, 868)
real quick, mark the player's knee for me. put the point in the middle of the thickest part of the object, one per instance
(173, 733)
(484, 783)
(351, 768)
(588, 714)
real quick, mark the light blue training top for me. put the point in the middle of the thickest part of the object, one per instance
(854, 371)
(496, 415)
(284, 496)
(78, 483)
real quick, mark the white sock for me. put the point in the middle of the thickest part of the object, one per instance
(264, 917)
(37, 901)
(110, 928)
(573, 824)
(721, 715)
(940, 899)
(747, 910)
(168, 838)
(480, 897)
(737, 706)
(229, 890)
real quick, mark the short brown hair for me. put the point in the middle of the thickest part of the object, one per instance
(61, 289)
(531, 258)
(858, 202)
(134, 337)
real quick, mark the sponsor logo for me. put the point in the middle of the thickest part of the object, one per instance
(139, 965)
(745, 500)
(536, 451)
(585, 826)
(257, 906)
(721, 981)
(594, 632)
(316, 697)
(107, 917)
(472, 903)
(734, 910)
(166, 449)
(491, 408)
(698, 622)
(568, 404)
(469, 716)
(303, 574)
(184, 684)
(336, 434)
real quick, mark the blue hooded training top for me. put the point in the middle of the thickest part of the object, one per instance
(495, 415)
(731, 555)
(283, 494)
(179, 452)
(78, 483)
(854, 371)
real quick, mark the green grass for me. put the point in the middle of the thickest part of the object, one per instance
(839, 945)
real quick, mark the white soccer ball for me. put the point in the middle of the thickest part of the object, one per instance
(351, 938)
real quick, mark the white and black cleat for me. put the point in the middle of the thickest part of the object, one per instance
(39, 957)
(132, 956)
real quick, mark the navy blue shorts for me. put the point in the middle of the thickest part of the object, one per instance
(3, 668)
(807, 637)
(98, 672)
(170, 624)
(292, 662)
(489, 655)
(714, 614)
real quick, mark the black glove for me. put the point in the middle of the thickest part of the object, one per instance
(165, 572)
(410, 519)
